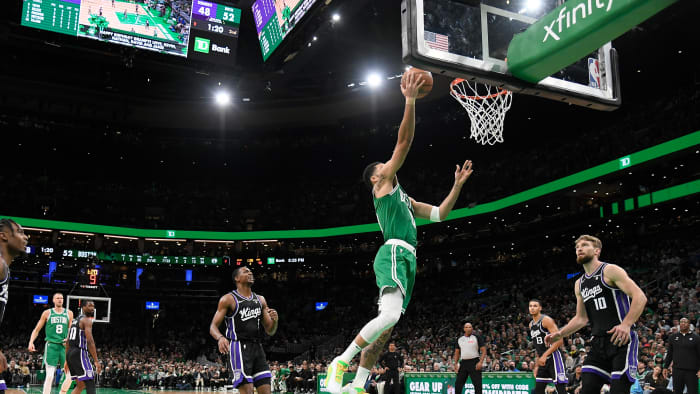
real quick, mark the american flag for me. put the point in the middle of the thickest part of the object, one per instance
(436, 41)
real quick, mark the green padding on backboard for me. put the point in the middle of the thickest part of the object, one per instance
(573, 30)
(615, 208)
(629, 204)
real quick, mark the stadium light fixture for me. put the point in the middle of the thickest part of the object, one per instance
(222, 98)
(374, 80)
(335, 17)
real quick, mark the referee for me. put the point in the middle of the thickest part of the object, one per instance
(684, 351)
(467, 354)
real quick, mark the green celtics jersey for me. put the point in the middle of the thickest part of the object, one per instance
(57, 326)
(395, 216)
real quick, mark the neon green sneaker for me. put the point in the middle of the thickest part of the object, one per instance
(349, 389)
(334, 375)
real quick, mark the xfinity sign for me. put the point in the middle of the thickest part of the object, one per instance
(573, 30)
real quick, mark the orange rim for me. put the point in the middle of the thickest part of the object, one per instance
(460, 95)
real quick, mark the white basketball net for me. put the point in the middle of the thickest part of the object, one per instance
(486, 105)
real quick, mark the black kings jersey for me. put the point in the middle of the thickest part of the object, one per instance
(537, 333)
(76, 335)
(4, 290)
(244, 323)
(606, 306)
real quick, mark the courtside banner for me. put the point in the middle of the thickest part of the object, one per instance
(493, 383)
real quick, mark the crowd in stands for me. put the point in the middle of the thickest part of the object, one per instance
(164, 187)
(173, 350)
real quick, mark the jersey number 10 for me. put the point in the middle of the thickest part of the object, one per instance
(600, 303)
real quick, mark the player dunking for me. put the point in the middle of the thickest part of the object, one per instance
(549, 367)
(13, 242)
(243, 312)
(603, 296)
(81, 345)
(395, 262)
(56, 320)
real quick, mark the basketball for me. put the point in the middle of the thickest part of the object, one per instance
(425, 76)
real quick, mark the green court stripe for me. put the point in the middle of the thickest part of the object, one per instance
(610, 167)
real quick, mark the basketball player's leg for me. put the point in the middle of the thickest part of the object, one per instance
(624, 366)
(597, 368)
(558, 371)
(67, 381)
(262, 377)
(369, 357)
(391, 307)
(51, 360)
(240, 361)
(48, 382)
(79, 386)
(90, 386)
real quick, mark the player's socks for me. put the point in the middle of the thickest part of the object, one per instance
(350, 352)
(361, 377)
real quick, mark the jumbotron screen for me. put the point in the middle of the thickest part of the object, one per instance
(275, 19)
(157, 25)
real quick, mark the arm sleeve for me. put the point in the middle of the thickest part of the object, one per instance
(480, 342)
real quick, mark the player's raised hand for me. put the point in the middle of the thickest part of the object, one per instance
(273, 314)
(224, 345)
(410, 85)
(463, 173)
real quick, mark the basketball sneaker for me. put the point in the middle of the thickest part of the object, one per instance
(349, 389)
(334, 375)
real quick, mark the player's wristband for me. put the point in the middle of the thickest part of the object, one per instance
(435, 214)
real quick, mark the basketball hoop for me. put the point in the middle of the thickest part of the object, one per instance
(486, 105)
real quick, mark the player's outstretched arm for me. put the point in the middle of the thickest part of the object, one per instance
(437, 214)
(269, 317)
(578, 322)
(551, 326)
(619, 278)
(225, 303)
(87, 327)
(37, 329)
(406, 129)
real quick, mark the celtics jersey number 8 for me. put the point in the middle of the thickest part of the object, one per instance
(395, 216)
(57, 326)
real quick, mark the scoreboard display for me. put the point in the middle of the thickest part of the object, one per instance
(53, 15)
(214, 32)
(162, 26)
(275, 19)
